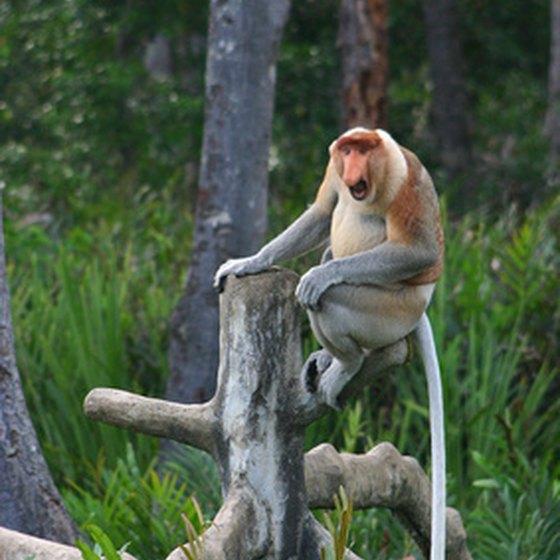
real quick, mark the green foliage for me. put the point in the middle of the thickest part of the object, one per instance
(83, 324)
(505, 36)
(511, 147)
(201, 472)
(380, 531)
(306, 107)
(82, 122)
(104, 548)
(194, 549)
(338, 525)
(518, 514)
(149, 510)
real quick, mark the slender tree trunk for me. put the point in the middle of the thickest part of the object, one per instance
(157, 57)
(29, 500)
(363, 45)
(231, 214)
(552, 121)
(449, 104)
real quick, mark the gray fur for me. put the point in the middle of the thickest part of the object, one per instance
(308, 232)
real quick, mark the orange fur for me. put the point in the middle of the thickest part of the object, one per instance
(414, 215)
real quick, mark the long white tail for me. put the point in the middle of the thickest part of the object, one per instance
(425, 339)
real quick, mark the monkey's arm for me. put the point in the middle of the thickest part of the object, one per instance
(414, 245)
(389, 263)
(309, 231)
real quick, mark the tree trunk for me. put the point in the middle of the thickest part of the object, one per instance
(254, 428)
(231, 214)
(362, 42)
(552, 121)
(449, 101)
(157, 58)
(29, 500)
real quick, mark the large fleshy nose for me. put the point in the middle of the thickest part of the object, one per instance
(353, 171)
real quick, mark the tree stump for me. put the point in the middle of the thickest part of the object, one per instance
(254, 428)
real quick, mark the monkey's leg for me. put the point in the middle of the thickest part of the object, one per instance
(337, 376)
(354, 320)
(315, 365)
(329, 370)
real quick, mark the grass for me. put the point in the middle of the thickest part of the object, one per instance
(77, 332)
(150, 511)
(91, 311)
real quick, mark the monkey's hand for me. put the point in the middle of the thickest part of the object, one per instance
(240, 267)
(312, 286)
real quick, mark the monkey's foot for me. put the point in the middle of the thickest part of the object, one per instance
(317, 363)
(330, 387)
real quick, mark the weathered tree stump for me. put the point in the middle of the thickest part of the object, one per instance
(254, 428)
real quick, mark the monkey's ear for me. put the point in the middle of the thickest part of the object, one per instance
(376, 139)
(332, 147)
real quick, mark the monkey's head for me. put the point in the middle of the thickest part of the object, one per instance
(362, 159)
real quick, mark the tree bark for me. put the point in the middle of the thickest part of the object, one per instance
(449, 98)
(29, 500)
(157, 58)
(254, 428)
(231, 214)
(363, 46)
(552, 120)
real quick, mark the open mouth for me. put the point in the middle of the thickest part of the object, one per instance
(359, 190)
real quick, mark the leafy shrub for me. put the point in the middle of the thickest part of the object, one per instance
(141, 508)
(80, 325)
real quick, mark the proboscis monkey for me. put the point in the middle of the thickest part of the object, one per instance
(378, 208)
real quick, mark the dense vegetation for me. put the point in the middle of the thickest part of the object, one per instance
(99, 165)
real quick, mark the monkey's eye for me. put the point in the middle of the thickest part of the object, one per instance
(363, 150)
(345, 151)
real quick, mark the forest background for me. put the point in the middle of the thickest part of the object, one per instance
(99, 159)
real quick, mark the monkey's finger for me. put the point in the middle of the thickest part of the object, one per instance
(227, 268)
(308, 296)
(219, 280)
(314, 306)
(309, 305)
(221, 273)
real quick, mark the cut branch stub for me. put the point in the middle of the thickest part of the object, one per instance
(254, 428)
(193, 424)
